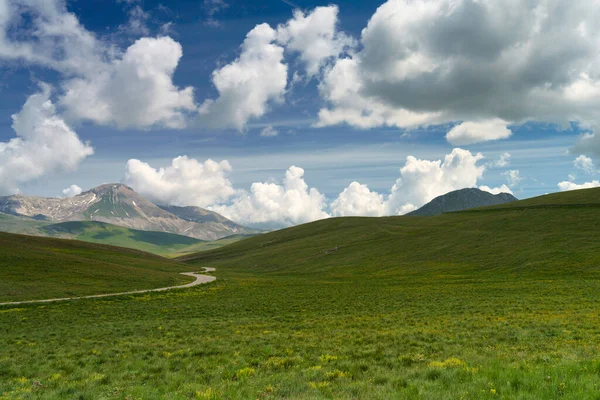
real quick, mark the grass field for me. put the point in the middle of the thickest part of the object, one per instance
(204, 246)
(474, 305)
(161, 243)
(38, 268)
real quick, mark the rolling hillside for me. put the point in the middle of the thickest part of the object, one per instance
(495, 303)
(37, 268)
(161, 243)
(532, 231)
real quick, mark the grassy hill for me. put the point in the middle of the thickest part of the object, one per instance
(99, 232)
(161, 243)
(204, 246)
(20, 225)
(40, 268)
(469, 305)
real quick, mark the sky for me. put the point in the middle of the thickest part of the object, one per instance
(276, 113)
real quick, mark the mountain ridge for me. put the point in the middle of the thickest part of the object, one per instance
(460, 200)
(120, 205)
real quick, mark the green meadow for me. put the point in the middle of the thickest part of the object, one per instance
(40, 268)
(161, 243)
(502, 302)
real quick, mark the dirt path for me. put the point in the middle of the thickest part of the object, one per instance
(200, 279)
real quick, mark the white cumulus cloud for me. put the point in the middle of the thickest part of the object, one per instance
(502, 162)
(72, 190)
(135, 90)
(101, 83)
(427, 62)
(249, 84)
(496, 190)
(186, 182)
(44, 144)
(585, 164)
(273, 204)
(568, 185)
(358, 200)
(420, 181)
(315, 37)
(513, 177)
(481, 131)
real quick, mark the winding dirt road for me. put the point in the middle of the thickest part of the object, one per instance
(200, 279)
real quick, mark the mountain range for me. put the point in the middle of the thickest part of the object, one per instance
(120, 205)
(460, 200)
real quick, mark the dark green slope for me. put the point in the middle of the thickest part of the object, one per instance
(100, 232)
(38, 268)
(548, 238)
(570, 199)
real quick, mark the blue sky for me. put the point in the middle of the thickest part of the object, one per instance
(540, 140)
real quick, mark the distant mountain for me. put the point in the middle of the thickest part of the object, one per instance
(120, 205)
(463, 199)
(211, 220)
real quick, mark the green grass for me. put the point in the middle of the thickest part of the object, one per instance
(204, 246)
(34, 268)
(161, 243)
(472, 305)
(20, 225)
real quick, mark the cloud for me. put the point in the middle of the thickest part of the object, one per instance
(137, 22)
(567, 185)
(273, 204)
(502, 162)
(167, 28)
(130, 89)
(358, 200)
(315, 37)
(72, 190)
(49, 36)
(269, 131)
(249, 84)
(189, 182)
(420, 181)
(585, 164)
(44, 145)
(496, 190)
(513, 177)
(135, 91)
(435, 62)
(212, 7)
(475, 132)
(186, 182)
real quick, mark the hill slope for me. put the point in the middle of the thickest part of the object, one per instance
(38, 268)
(571, 199)
(463, 199)
(499, 304)
(509, 237)
(120, 205)
(99, 232)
